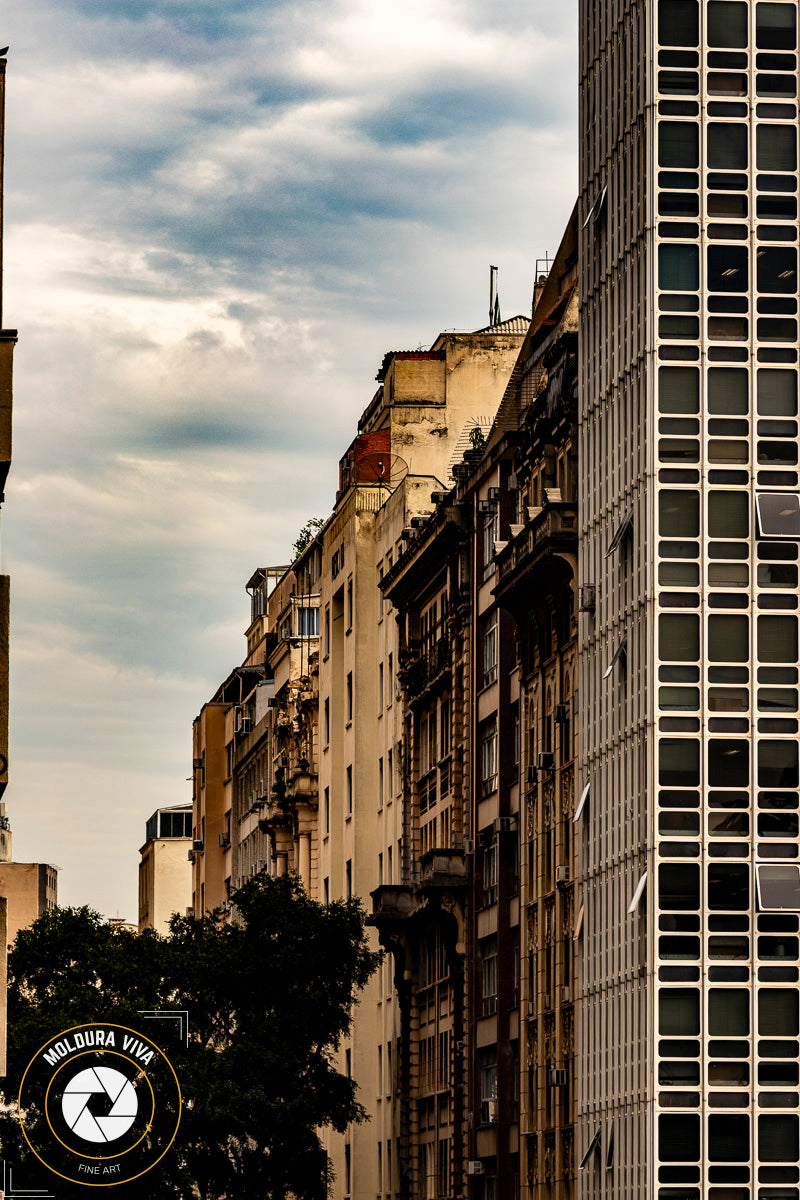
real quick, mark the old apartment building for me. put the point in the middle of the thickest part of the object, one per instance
(480, 923)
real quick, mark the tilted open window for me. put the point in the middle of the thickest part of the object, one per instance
(620, 655)
(778, 887)
(625, 526)
(581, 804)
(594, 1146)
(637, 895)
(778, 514)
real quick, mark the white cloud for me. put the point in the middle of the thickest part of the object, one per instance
(219, 218)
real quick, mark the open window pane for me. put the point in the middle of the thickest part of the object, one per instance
(778, 514)
(637, 894)
(778, 887)
(625, 524)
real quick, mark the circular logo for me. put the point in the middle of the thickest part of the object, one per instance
(111, 1088)
(100, 1104)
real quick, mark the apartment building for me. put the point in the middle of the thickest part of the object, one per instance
(687, 1037)
(537, 583)
(411, 434)
(165, 875)
(481, 921)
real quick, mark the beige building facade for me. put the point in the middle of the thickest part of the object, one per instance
(30, 889)
(414, 430)
(165, 874)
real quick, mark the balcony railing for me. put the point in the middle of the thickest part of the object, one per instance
(430, 664)
(553, 527)
(427, 791)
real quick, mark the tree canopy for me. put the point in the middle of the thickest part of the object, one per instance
(269, 998)
(306, 535)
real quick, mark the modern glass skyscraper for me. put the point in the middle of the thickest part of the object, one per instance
(689, 532)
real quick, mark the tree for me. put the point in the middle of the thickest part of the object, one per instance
(269, 998)
(306, 534)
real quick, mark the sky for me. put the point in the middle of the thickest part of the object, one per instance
(220, 215)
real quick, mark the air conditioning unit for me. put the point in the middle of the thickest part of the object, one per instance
(197, 764)
(566, 995)
(545, 761)
(505, 824)
(586, 597)
(548, 1000)
(191, 856)
(247, 725)
(512, 482)
(557, 1077)
(224, 840)
(271, 702)
(562, 874)
(197, 845)
(561, 714)
(474, 1167)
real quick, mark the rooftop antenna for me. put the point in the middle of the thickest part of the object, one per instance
(494, 297)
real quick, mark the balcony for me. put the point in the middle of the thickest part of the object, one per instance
(391, 904)
(442, 870)
(424, 670)
(551, 531)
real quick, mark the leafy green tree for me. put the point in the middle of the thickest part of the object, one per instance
(269, 998)
(306, 534)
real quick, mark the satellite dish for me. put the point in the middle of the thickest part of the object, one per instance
(387, 469)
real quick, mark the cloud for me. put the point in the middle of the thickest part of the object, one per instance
(218, 219)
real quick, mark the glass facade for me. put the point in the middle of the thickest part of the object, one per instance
(697, 383)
